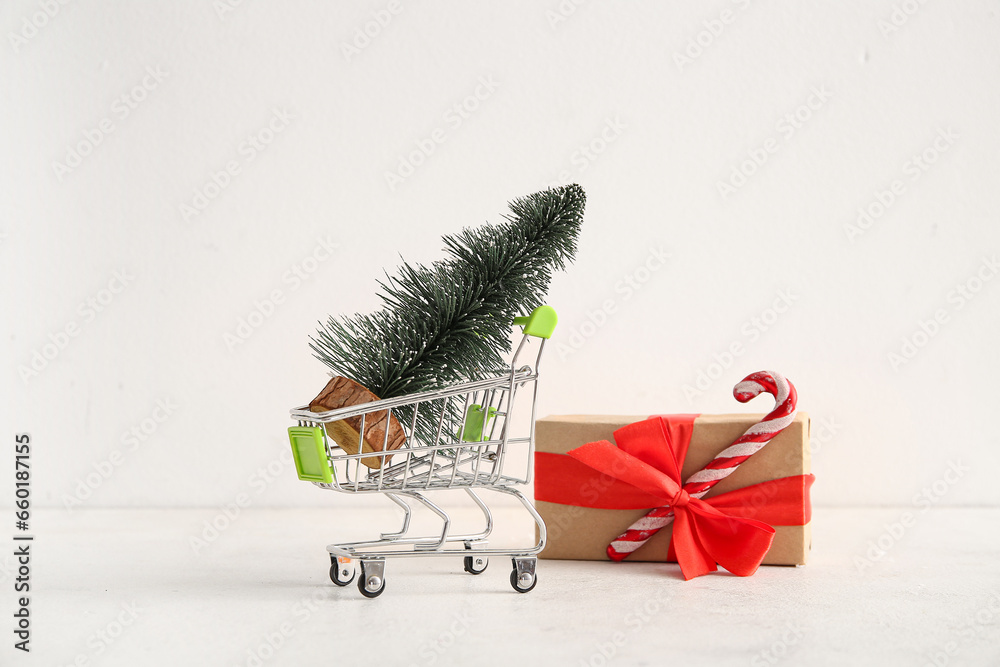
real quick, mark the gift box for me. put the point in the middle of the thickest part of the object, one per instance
(583, 515)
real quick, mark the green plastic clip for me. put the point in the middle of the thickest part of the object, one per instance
(541, 323)
(477, 419)
(309, 452)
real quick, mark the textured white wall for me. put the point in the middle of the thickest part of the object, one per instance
(741, 139)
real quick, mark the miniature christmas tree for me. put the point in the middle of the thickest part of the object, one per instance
(451, 321)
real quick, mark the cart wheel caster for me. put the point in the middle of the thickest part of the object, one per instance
(476, 564)
(341, 574)
(372, 584)
(523, 577)
(524, 582)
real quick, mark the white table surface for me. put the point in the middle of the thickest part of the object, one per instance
(133, 578)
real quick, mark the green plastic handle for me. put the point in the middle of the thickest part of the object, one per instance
(309, 452)
(541, 323)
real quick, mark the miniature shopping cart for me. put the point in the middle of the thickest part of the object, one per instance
(465, 437)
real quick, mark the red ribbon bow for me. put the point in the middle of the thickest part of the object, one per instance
(706, 533)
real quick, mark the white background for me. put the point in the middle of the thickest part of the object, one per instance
(618, 97)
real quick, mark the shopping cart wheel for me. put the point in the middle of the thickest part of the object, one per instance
(523, 577)
(341, 574)
(476, 564)
(372, 581)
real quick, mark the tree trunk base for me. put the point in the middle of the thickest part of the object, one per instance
(343, 392)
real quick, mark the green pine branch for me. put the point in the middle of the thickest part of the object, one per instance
(451, 321)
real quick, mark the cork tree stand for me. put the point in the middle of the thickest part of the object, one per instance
(342, 392)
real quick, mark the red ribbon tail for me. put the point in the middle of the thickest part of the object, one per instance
(735, 543)
(693, 558)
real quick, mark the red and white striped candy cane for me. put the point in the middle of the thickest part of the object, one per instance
(726, 461)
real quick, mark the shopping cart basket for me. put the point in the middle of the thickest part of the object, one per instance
(462, 437)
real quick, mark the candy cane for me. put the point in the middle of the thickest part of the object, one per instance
(726, 461)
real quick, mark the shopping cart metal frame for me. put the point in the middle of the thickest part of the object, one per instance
(465, 458)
